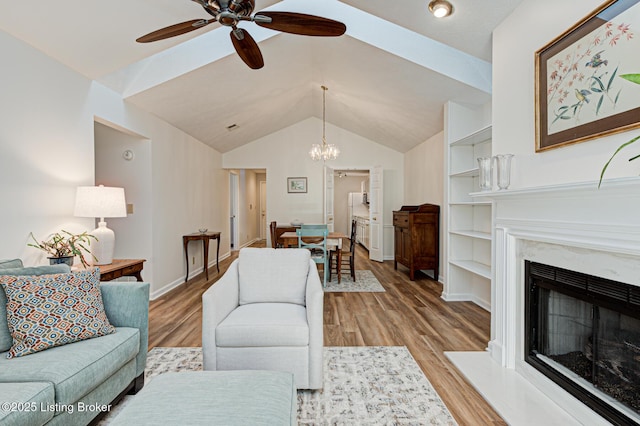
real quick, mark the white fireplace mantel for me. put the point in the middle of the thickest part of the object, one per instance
(575, 226)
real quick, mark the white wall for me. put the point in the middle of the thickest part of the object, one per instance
(133, 233)
(424, 182)
(47, 150)
(424, 172)
(530, 27)
(285, 154)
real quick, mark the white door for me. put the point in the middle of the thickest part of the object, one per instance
(263, 210)
(233, 213)
(328, 197)
(376, 218)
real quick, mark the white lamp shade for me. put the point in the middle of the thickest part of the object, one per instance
(100, 201)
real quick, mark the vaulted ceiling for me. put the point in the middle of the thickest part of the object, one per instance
(388, 76)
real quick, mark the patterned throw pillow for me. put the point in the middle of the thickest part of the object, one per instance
(53, 310)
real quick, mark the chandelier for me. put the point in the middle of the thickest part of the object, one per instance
(326, 151)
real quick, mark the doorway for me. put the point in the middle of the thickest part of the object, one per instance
(263, 209)
(349, 182)
(122, 159)
(358, 195)
(233, 212)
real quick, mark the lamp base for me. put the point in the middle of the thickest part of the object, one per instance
(103, 248)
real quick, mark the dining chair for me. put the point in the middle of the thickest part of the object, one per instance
(345, 256)
(272, 230)
(317, 245)
(314, 226)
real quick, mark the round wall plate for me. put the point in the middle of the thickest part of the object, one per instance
(128, 155)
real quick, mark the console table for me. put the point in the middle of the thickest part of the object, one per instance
(205, 237)
(121, 268)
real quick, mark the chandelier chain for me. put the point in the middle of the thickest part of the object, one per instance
(324, 110)
(324, 151)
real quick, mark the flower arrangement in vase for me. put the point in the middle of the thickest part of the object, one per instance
(62, 247)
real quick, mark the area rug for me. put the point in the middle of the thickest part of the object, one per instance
(365, 282)
(370, 385)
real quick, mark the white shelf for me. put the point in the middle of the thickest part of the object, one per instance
(473, 234)
(475, 267)
(470, 203)
(466, 173)
(481, 136)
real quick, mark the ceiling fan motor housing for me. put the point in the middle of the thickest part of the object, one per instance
(229, 12)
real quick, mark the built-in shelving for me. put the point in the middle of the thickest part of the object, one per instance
(474, 138)
(466, 173)
(474, 267)
(470, 203)
(473, 234)
(469, 217)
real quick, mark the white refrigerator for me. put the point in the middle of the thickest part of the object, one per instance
(356, 208)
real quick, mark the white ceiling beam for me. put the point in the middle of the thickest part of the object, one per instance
(178, 60)
(216, 44)
(414, 47)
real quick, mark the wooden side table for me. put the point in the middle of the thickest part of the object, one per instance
(121, 268)
(205, 237)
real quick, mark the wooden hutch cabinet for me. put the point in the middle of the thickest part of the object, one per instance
(417, 237)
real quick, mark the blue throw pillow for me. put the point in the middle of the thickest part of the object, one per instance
(53, 310)
(14, 268)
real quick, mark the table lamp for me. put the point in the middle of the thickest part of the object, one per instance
(101, 201)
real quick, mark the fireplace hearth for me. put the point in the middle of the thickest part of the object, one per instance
(583, 332)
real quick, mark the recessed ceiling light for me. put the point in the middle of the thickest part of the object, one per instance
(440, 8)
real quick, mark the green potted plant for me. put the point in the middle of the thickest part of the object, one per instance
(633, 78)
(616, 153)
(63, 246)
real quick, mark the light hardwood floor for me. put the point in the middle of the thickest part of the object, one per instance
(409, 313)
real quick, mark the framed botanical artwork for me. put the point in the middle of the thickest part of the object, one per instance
(588, 79)
(297, 184)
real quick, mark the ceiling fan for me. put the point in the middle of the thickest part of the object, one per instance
(230, 12)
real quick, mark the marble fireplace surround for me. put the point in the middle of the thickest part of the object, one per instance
(572, 226)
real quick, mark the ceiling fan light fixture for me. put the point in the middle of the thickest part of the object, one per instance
(440, 8)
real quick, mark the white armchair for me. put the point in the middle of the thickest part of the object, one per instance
(265, 313)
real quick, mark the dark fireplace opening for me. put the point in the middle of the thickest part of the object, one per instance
(583, 332)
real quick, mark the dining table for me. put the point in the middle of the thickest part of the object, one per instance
(334, 242)
(334, 239)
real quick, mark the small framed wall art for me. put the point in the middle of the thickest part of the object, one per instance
(587, 79)
(297, 185)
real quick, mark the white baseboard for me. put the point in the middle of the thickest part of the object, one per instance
(175, 284)
(466, 297)
(248, 243)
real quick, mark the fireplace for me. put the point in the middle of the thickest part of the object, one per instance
(583, 332)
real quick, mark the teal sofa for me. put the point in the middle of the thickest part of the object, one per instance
(75, 384)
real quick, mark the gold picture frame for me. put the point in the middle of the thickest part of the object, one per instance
(583, 86)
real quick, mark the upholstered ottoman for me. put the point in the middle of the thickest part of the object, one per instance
(214, 398)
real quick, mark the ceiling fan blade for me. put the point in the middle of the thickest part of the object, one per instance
(247, 48)
(174, 30)
(302, 24)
